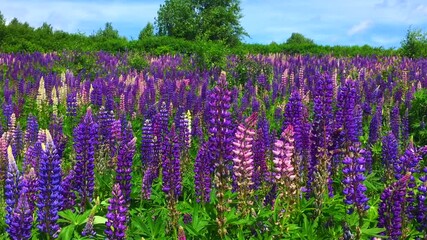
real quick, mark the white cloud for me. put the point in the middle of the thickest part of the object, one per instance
(360, 27)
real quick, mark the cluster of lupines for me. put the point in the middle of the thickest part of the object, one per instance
(11, 190)
(291, 75)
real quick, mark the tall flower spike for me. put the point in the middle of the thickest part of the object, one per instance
(49, 188)
(11, 189)
(390, 210)
(244, 162)
(202, 175)
(124, 168)
(284, 170)
(117, 215)
(354, 190)
(21, 219)
(220, 145)
(85, 141)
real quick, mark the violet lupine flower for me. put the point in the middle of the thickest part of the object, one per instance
(391, 208)
(149, 164)
(21, 219)
(321, 133)
(375, 126)
(260, 164)
(85, 141)
(124, 168)
(56, 130)
(405, 126)
(116, 224)
(421, 207)
(88, 229)
(367, 155)
(29, 181)
(147, 144)
(68, 195)
(172, 185)
(390, 151)
(32, 156)
(346, 105)
(220, 145)
(202, 175)
(354, 190)
(11, 188)
(71, 104)
(395, 121)
(49, 189)
(32, 131)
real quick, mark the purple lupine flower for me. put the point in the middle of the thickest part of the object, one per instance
(375, 125)
(354, 190)
(88, 229)
(405, 126)
(32, 156)
(260, 164)
(71, 104)
(68, 195)
(390, 151)
(148, 161)
(202, 175)
(421, 207)
(345, 115)
(85, 141)
(395, 121)
(11, 189)
(124, 168)
(147, 144)
(367, 155)
(32, 131)
(30, 182)
(116, 224)
(56, 130)
(172, 185)
(21, 219)
(391, 208)
(49, 189)
(321, 132)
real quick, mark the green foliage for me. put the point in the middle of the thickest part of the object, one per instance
(415, 44)
(146, 32)
(201, 19)
(418, 117)
(298, 38)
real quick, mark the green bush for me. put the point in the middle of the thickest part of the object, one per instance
(418, 117)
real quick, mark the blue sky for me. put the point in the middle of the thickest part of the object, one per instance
(328, 22)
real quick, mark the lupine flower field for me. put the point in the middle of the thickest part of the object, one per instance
(267, 147)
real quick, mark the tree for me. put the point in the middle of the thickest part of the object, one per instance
(298, 38)
(415, 44)
(147, 31)
(108, 32)
(216, 20)
(177, 18)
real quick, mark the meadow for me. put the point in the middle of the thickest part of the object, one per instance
(96, 145)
